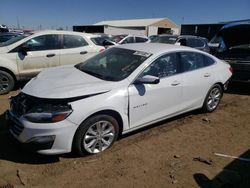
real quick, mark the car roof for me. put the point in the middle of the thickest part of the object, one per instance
(154, 48)
(62, 32)
(191, 36)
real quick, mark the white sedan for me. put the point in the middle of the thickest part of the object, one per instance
(84, 108)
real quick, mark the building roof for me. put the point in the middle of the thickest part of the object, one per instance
(135, 22)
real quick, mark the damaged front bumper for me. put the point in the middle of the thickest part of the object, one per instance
(51, 138)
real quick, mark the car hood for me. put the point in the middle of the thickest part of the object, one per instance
(3, 50)
(235, 34)
(65, 82)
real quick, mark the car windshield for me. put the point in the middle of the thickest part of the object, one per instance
(113, 64)
(99, 40)
(164, 39)
(14, 39)
(117, 38)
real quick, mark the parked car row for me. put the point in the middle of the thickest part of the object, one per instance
(84, 108)
(199, 43)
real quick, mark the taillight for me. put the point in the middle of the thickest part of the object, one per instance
(101, 50)
(231, 69)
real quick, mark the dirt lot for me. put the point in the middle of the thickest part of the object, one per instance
(158, 156)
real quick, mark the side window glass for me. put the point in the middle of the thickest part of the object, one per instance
(183, 42)
(166, 65)
(140, 39)
(128, 40)
(191, 61)
(44, 42)
(208, 61)
(73, 41)
(199, 43)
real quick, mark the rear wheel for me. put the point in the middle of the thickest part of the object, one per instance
(213, 98)
(95, 135)
(7, 82)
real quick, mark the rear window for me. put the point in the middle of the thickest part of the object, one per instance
(195, 43)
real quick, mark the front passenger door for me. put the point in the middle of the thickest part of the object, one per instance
(151, 102)
(42, 52)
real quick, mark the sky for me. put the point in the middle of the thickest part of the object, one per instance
(53, 14)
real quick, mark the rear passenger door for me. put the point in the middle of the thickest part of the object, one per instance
(75, 49)
(198, 77)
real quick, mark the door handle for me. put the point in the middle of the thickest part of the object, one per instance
(207, 75)
(83, 52)
(50, 55)
(175, 83)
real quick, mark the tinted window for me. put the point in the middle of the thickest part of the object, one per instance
(208, 60)
(99, 40)
(195, 43)
(73, 41)
(140, 39)
(191, 61)
(113, 64)
(44, 42)
(166, 65)
(164, 39)
(13, 40)
(6, 37)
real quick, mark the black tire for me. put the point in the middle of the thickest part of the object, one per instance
(7, 82)
(78, 146)
(207, 106)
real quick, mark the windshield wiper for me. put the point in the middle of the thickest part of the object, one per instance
(92, 73)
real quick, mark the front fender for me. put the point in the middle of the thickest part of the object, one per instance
(113, 100)
(10, 65)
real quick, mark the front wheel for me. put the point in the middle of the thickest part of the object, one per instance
(7, 82)
(95, 135)
(213, 98)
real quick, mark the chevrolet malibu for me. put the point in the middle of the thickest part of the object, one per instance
(84, 108)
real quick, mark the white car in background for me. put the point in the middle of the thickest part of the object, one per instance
(84, 108)
(125, 39)
(26, 55)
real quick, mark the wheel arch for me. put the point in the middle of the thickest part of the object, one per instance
(9, 71)
(112, 113)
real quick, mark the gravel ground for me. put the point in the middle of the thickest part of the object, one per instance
(174, 153)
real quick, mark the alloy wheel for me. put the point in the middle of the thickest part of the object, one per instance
(4, 83)
(213, 98)
(99, 137)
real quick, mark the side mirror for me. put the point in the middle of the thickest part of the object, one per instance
(23, 50)
(147, 79)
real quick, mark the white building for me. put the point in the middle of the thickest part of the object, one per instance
(146, 27)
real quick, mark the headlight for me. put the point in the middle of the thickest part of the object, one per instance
(48, 113)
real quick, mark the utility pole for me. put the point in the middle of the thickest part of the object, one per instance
(17, 21)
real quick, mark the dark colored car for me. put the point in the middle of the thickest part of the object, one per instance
(232, 44)
(167, 39)
(199, 43)
(5, 36)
